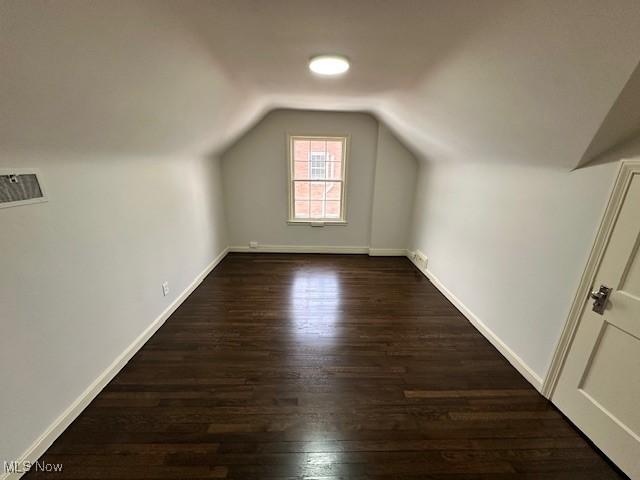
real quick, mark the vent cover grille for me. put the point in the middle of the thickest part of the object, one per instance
(20, 188)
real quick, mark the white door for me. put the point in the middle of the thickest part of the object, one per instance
(599, 386)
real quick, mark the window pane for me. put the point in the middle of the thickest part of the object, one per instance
(334, 151)
(317, 209)
(317, 190)
(318, 145)
(317, 178)
(301, 150)
(334, 170)
(301, 190)
(332, 209)
(301, 170)
(317, 165)
(333, 190)
(301, 209)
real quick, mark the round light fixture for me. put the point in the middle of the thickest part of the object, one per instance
(329, 65)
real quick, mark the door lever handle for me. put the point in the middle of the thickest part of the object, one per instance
(600, 298)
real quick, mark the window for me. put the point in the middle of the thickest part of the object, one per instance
(317, 168)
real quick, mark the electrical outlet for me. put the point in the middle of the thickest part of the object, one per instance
(420, 259)
(253, 244)
(165, 288)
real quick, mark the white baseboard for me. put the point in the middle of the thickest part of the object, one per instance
(300, 249)
(388, 252)
(532, 377)
(374, 252)
(42, 443)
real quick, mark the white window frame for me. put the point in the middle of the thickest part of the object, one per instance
(342, 219)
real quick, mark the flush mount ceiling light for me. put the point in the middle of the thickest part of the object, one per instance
(329, 65)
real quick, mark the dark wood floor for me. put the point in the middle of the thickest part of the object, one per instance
(320, 367)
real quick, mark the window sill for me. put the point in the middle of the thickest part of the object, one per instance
(317, 223)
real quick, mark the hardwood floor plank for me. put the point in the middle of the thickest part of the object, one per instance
(320, 367)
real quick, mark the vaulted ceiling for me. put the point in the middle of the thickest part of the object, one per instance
(530, 81)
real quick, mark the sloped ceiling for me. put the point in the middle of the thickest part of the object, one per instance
(528, 81)
(621, 125)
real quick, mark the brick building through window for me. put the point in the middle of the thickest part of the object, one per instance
(317, 169)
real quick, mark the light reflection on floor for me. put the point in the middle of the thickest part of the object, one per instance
(314, 303)
(315, 319)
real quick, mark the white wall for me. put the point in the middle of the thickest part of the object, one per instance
(81, 275)
(395, 181)
(120, 109)
(255, 182)
(511, 242)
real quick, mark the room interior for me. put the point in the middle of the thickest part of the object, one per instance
(170, 311)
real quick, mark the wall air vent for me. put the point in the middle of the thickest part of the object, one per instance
(20, 187)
